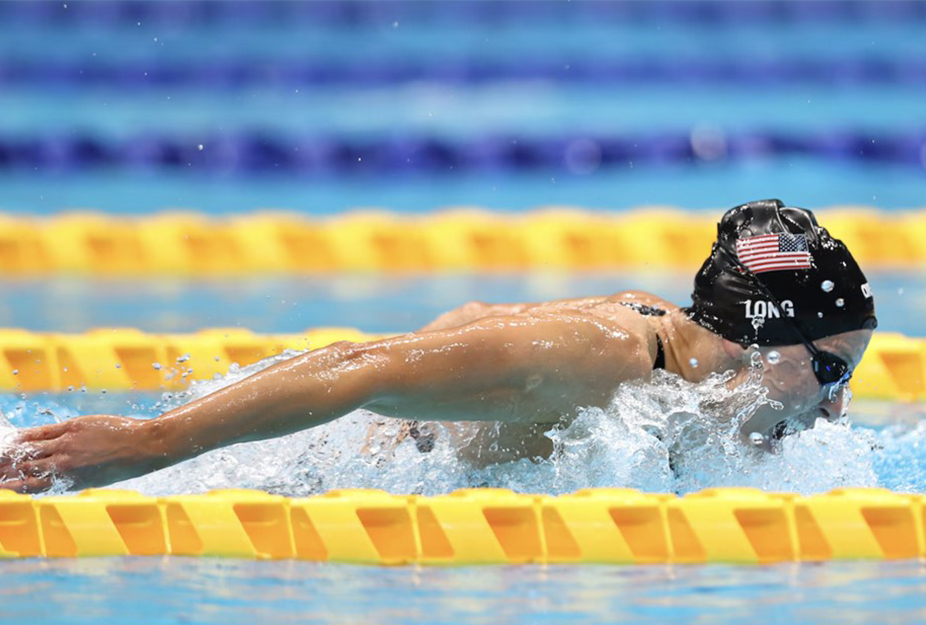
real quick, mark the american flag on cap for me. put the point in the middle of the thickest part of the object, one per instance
(774, 252)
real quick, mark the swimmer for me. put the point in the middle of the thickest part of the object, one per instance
(501, 375)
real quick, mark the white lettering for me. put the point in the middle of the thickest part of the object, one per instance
(762, 309)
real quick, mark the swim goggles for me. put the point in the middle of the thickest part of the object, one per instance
(832, 371)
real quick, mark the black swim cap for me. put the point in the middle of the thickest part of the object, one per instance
(764, 248)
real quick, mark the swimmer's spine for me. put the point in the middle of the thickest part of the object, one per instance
(119, 359)
(456, 239)
(473, 526)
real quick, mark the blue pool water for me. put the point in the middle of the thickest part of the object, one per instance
(416, 106)
(230, 592)
(831, 73)
(371, 303)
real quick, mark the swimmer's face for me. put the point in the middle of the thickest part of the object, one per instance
(790, 380)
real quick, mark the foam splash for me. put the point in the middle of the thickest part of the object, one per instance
(665, 435)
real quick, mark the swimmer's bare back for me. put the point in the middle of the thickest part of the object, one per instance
(528, 364)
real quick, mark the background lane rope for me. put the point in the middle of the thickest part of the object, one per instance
(450, 240)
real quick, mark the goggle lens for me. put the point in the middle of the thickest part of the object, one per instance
(830, 369)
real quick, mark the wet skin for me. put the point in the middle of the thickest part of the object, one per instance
(502, 374)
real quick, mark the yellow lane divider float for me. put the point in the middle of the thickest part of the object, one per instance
(473, 526)
(894, 367)
(456, 239)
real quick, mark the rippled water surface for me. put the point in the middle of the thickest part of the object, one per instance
(224, 592)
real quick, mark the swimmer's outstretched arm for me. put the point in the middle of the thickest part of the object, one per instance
(514, 369)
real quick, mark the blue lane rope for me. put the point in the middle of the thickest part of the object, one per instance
(268, 153)
(361, 12)
(241, 74)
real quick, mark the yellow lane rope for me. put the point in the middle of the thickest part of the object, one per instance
(894, 367)
(454, 239)
(474, 526)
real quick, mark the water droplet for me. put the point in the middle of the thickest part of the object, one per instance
(708, 142)
(827, 286)
(773, 357)
(820, 315)
(118, 366)
(200, 147)
(693, 362)
(156, 366)
(840, 302)
(395, 24)
(900, 291)
(15, 371)
(756, 439)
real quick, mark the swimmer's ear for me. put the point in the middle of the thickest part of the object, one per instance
(733, 350)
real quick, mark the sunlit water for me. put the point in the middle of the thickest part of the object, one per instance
(663, 435)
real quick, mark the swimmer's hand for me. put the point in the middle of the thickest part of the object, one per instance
(85, 451)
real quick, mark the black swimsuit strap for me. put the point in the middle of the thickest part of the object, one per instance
(643, 309)
(651, 311)
(660, 362)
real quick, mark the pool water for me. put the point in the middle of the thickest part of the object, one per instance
(372, 303)
(226, 592)
(849, 77)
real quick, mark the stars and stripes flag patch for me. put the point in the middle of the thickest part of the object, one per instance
(774, 252)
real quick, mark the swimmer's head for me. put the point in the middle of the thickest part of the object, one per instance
(775, 277)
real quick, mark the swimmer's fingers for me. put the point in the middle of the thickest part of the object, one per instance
(30, 445)
(44, 432)
(29, 485)
(34, 476)
(18, 452)
(16, 461)
(86, 451)
(35, 443)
